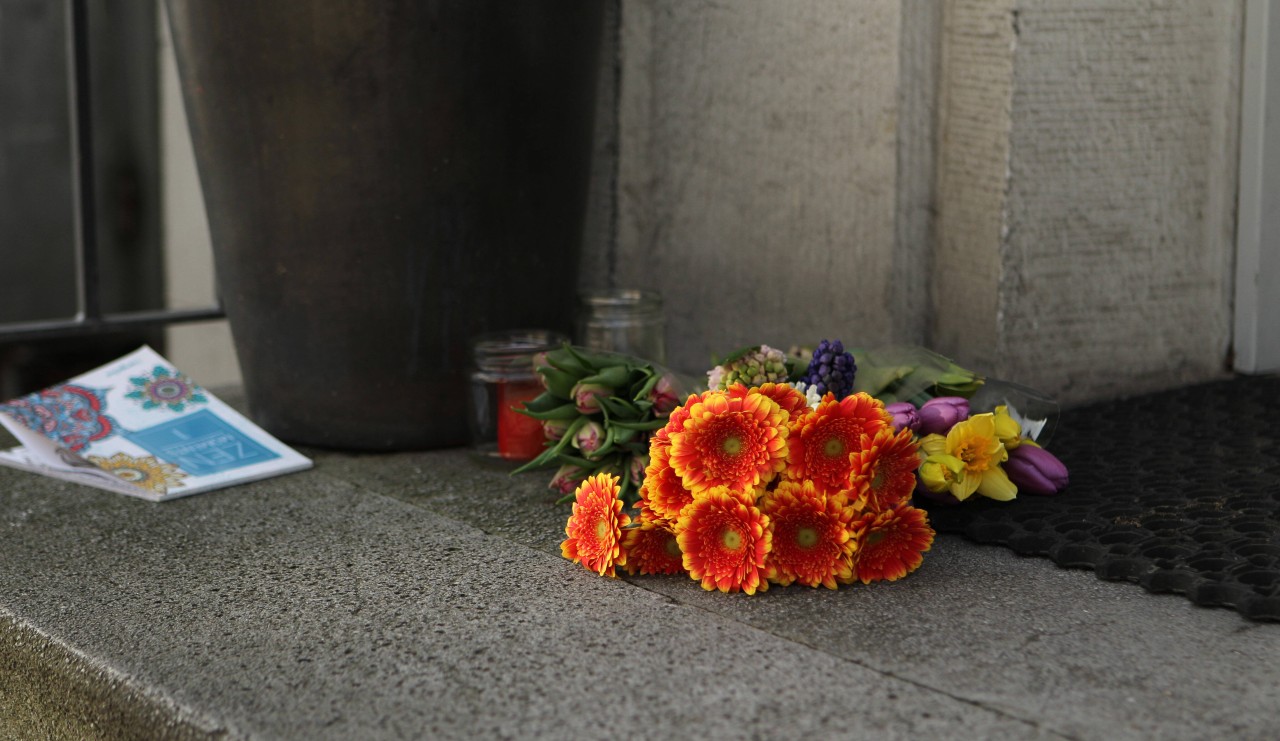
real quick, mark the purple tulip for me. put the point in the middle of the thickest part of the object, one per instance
(905, 415)
(1035, 470)
(586, 396)
(939, 415)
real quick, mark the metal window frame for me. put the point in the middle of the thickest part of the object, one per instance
(90, 318)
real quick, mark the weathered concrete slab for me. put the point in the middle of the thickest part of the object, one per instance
(309, 607)
(1056, 648)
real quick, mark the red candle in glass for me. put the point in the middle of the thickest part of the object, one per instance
(520, 436)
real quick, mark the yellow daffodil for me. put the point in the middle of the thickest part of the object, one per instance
(976, 444)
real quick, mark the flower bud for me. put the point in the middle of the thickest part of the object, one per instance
(589, 438)
(554, 429)
(1035, 470)
(940, 472)
(904, 414)
(586, 396)
(566, 479)
(664, 397)
(639, 463)
(1007, 428)
(939, 415)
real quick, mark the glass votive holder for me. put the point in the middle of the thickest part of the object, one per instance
(502, 380)
(624, 320)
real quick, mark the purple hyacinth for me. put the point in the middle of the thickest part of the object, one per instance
(831, 370)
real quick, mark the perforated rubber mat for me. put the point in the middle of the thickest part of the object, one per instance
(1177, 491)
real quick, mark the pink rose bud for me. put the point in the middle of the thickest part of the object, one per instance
(554, 429)
(586, 396)
(1035, 470)
(664, 396)
(589, 439)
(566, 479)
(904, 414)
(939, 415)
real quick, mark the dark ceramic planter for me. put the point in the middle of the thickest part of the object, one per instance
(384, 180)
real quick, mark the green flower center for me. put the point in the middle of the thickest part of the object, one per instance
(834, 447)
(875, 536)
(806, 537)
(673, 548)
(732, 445)
(732, 539)
(601, 529)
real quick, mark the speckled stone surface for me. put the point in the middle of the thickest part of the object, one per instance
(423, 595)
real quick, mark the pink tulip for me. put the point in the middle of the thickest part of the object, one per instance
(589, 438)
(664, 397)
(586, 396)
(554, 429)
(566, 479)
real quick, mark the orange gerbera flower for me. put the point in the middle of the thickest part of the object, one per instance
(791, 401)
(663, 489)
(812, 542)
(822, 439)
(675, 422)
(725, 541)
(736, 442)
(884, 470)
(893, 544)
(595, 527)
(652, 549)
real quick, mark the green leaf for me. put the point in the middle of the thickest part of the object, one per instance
(559, 383)
(642, 392)
(565, 411)
(615, 377)
(544, 402)
(619, 408)
(736, 354)
(569, 362)
(645, 426)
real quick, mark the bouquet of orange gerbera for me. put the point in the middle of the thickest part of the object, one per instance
(750, 485)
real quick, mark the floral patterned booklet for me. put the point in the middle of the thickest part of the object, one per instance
(138, 426)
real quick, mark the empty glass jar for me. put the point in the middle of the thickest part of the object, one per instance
(624, 320)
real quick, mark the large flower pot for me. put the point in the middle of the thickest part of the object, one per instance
(384, 180)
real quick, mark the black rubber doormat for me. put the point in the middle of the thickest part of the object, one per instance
(1178, 491)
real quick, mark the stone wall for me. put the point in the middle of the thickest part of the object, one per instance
(757, 177)
(781, 165)
(1088, 187)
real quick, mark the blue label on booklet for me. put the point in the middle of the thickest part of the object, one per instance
(201, 444)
